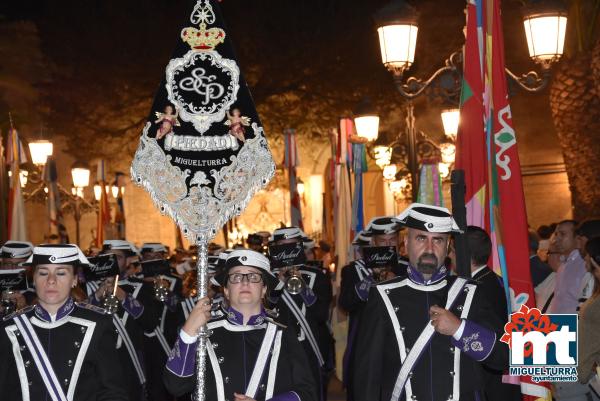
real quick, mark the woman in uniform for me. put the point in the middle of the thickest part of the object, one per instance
(250, 357)
(59, 349)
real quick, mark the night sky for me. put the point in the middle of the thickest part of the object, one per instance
(98, 63)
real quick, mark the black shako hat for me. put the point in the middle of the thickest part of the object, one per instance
(119, 245)
(246, 257)
(59, 254)
(363, 238)
(153, 247)
(382, 225)
(435, 219)
(286, 233)
(16, 250)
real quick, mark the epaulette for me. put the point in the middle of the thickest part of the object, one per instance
(18, 313)
(276, 323)
(85, 305)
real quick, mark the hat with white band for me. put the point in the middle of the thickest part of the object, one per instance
(435, 219)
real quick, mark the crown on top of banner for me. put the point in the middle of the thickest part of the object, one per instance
(203, 39)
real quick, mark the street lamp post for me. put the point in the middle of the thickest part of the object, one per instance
(397, 28)
(80, 173)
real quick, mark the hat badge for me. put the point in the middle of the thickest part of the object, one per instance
(244, 258)
(430, 225)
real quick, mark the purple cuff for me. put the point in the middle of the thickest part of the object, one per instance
(133, 306)
(308, 296)
(182, 359)
(172, 301)
(362, 288)
(288, 396)
(476, 341)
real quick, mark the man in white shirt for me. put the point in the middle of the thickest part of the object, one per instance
(571, 269)
(569, 276)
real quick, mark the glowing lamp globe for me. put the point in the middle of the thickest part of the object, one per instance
(397, 30)
(545, 27)
(97, 192)
(80, 174)
(383, 156)
(366, 120)
(389, 172)
(450, 120)
(40, 150)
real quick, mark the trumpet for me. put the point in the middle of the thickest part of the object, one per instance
(161, 291)
(8, 304)
(294, 283)
(110, 303)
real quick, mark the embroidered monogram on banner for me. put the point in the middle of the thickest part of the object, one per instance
(203, 153)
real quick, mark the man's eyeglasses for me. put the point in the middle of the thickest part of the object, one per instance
(236, 278)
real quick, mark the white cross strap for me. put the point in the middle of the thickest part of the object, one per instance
(261, 360)
(40, 358)
(422, 341)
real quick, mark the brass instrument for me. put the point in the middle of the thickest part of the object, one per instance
(294, 284)
(8, 304)
(110, 303)
(161, 291)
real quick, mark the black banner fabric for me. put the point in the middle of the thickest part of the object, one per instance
(287, 255)
(15, 280)
(155, 267)
(101, 267)
(203, 153)
(380, 256)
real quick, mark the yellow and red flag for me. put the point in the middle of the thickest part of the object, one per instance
(487, 152)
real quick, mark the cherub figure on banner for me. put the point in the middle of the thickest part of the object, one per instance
(236, 122)
(167, 121)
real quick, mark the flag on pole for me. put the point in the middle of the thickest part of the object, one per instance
(120, 207)
(359, 166)
(17, 227)
(487, 152)
(290, 162)
(430, 185)
(55, 217)
(343, 194)
(103, 208)
(3, 193)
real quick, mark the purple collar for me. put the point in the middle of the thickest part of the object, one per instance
(237, 318)
(415, 276)
(62, 312)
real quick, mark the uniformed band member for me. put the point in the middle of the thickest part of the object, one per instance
(490, 285)
(12, 254)
(137, 312)
(352, 299)
(250, 356)
(156, 345)
(59, 349)
(323, 290)
(308, 310)
(427, 335)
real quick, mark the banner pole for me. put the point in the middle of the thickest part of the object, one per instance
(202, 287)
